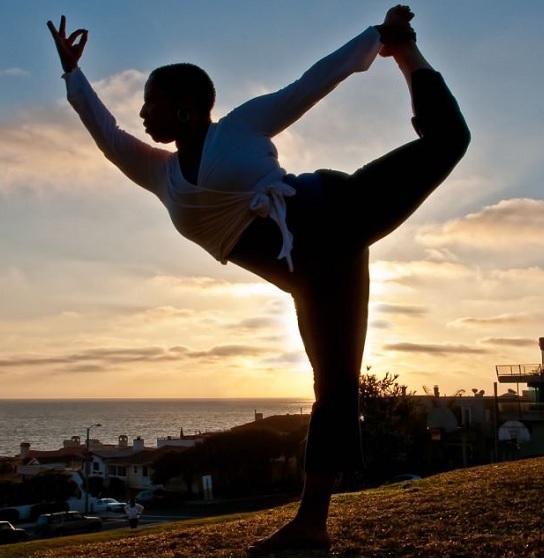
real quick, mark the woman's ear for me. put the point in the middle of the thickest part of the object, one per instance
(183, 115)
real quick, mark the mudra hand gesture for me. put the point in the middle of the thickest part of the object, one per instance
(69, 48)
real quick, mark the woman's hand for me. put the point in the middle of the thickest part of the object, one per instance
(69, 48)
(398, 15)
(396, 28)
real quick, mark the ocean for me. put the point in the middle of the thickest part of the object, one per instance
(45, 424)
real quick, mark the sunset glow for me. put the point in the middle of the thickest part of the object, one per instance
(101, 297)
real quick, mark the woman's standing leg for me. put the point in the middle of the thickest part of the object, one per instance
(331, 307)
(332, 314)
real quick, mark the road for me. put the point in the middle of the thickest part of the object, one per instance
(188, 511)
(151, 517)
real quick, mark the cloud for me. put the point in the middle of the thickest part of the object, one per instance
(257, 323)
(50, 153)
(436, 349)
(99, 358)
(506, 318)
(215, 286)
(413, 310)
(416, 273)
(14, 72)
(289, 358)
(123, 95)
(508, 226)
(512, 342)
(166, 313)
(517, 285)
(123, 359)
(229, 350)
(47, 148)
(192, 283)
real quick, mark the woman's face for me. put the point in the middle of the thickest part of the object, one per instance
(159, 114)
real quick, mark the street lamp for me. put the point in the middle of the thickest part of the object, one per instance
(87, 468)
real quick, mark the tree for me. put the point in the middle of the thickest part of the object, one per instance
(393, 428)
(241, 462)
(54, 486)
(173, 463)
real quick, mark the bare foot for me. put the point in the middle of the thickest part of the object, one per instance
(293, 535)
(397, 19)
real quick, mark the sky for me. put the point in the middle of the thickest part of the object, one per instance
(99, 295)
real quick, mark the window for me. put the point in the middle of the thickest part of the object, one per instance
(119, 471)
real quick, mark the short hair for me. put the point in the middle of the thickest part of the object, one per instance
(181, 79)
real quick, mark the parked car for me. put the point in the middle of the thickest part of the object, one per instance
(402, 477)
(108, 504)
(10, 534)
(150, 497)
(64, 523)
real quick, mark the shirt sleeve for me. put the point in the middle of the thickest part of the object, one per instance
(271, 113)
(142, 163)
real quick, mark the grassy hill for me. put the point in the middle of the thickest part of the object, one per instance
(487, 511)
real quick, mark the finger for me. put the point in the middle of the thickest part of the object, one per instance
(62, 27)
(52, 28)
(77, 33)
(84, 38)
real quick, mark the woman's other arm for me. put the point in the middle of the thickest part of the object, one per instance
(142, 163)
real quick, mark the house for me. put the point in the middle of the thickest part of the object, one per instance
(461, 429)
(33, 462)
(484, 429)
(521, 412)
(183, 441)
(132, 466)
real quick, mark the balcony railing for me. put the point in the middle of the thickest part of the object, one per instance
(520, 373)
(520, 405)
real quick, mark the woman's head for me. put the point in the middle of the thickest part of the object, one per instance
(183, 80)
(177, 98)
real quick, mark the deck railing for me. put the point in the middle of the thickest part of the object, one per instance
(519, 370)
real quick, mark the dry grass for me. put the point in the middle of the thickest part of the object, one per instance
(487, 511)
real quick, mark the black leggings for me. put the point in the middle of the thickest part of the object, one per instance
(334, 218)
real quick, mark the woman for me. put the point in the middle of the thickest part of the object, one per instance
(308, 234)
(133, 510)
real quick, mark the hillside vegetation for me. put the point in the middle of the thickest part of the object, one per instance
(487, 511)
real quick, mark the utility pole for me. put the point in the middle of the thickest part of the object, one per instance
(87, 465)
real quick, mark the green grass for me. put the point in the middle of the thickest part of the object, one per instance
(487, 511)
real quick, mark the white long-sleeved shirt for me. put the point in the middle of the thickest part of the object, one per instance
(239, 177)
(134, 511)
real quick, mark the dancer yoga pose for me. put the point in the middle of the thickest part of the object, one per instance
(308, 234)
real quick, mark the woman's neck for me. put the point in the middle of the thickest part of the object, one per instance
(190, 153)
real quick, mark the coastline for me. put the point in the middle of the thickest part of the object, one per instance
(46, 423)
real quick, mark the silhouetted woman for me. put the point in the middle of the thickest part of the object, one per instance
(307, 234)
